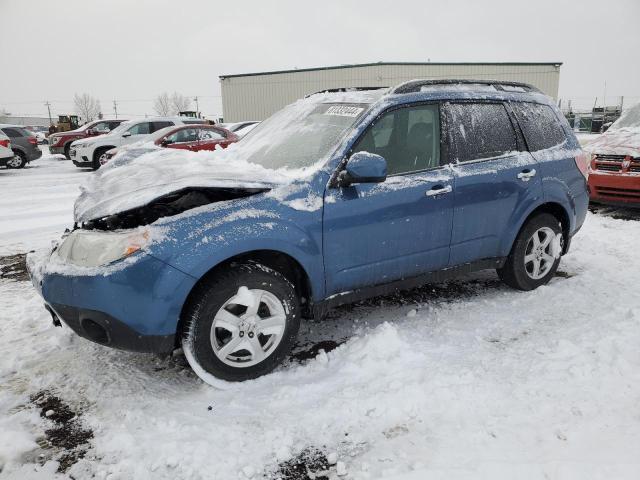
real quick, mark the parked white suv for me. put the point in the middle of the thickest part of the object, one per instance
(86, 153)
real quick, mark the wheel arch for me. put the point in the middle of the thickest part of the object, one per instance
(553, 208)
(99, 150)
(279, 261)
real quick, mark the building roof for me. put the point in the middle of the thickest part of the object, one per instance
(358, 65)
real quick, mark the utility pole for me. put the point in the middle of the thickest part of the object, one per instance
(115, 108)
(49, 109)
(195, 99)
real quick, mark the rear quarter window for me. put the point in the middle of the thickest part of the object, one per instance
(539, 125)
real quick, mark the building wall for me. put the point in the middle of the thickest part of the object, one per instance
(257, 96)
(33, 121)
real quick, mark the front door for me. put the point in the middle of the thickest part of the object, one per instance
(378, 233)
(496, 179)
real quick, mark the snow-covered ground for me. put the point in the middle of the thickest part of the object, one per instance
(36, 203)
(467, 380)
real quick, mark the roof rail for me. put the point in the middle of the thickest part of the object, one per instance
(344, 89)
(413, 86)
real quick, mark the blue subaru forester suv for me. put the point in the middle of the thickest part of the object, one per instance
(398, 187)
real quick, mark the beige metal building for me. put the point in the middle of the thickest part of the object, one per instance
(255, 96)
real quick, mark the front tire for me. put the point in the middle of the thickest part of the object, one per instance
(535, 254)
(95, 164)
(240, 324)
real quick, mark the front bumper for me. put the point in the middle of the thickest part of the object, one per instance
(134, 308)
(614, 188)
(80, 157)
(56, 150)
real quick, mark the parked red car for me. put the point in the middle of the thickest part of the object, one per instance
(59, 143)
(186, 137)
(614, 178)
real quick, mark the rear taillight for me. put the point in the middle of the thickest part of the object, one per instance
(5, 143)
(582, 162)
(32, 140)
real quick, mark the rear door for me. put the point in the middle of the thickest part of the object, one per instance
(378, 233)
(496, 179)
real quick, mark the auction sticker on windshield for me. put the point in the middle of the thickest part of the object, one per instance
(344, 110)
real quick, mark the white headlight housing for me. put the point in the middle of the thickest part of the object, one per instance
(91, 248)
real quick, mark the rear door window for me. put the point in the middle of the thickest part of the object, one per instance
(480, 130)
(539, 125)
(209, 134)
(13, 132)
(143, 128)
(158, 125)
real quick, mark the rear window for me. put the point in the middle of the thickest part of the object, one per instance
(480, 130)
(539, 125)
(14, 132)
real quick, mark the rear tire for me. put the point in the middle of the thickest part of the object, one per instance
(18, 161)
(535, 254)
(240, 324)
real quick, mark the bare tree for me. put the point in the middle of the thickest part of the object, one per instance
(179, 102)
(87, 107)
(162, 105)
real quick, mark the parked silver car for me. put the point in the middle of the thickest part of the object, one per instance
(23, 143)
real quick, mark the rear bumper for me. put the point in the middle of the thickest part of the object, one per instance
(34, 155)
(614, 188)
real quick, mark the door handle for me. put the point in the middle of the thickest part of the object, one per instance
(439, 190)
(527, 175)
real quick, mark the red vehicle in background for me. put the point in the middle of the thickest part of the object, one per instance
(186, 137)
(59, 143)
(614, 178)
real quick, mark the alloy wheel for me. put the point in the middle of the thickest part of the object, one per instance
(248, 327)
(541, 253)
(15, 162)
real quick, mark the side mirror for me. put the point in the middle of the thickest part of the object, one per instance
(363, 167)
(165, 142)
(126, 134)
(91, 132)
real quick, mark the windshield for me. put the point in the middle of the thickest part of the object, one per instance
(630, 118)
(299, 135)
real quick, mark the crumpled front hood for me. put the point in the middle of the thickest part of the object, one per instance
(127, 183)
(623, 141)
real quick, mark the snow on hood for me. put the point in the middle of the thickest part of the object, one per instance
(622, 138)
(290, 145)
(120, 186)
(621, 141)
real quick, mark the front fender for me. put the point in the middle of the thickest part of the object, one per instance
(196, 243)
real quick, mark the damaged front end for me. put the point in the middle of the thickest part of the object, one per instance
(168, 205)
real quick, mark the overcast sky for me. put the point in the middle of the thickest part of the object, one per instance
(133, 50)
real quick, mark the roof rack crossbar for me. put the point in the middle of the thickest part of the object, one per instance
(414, 86)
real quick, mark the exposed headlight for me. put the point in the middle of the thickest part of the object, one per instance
(90, 248)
